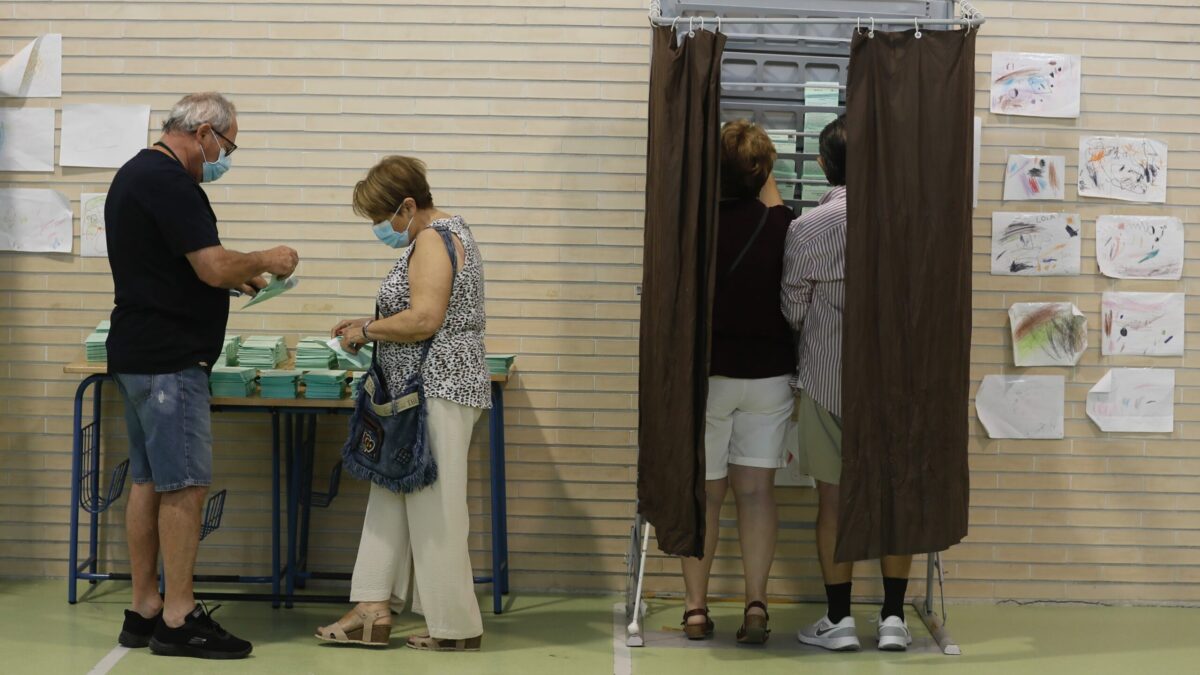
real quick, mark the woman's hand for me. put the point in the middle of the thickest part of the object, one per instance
(345, 324)
(352, 338)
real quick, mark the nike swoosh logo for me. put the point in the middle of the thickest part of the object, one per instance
(822, 633)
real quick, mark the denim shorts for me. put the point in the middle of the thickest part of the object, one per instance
(170, 428)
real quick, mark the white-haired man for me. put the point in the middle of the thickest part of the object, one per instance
(172, 278)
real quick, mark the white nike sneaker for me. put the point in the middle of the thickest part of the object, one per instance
(839, 637)
(893, 634)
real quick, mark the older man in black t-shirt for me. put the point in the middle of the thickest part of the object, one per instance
(172, 280)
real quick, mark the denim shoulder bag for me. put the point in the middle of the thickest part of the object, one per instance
(388, 442)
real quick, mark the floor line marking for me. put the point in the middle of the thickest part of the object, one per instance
(622, 659)
(109, 661)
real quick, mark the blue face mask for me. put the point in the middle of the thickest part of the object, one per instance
(385, 233)
(214, 170)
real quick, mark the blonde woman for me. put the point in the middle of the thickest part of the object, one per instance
(749, 399)
(413, 549)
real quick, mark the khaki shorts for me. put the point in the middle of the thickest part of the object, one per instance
(820, 431)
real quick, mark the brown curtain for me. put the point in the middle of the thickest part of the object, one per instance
(677, 283)
(906, 343)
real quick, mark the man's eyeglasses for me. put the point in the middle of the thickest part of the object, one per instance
(232, 146)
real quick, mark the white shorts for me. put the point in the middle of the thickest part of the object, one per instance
(746, 422)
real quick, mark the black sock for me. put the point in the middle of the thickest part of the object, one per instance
(839, 600)
(893, 597)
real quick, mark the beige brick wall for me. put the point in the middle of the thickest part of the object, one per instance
(531, 115)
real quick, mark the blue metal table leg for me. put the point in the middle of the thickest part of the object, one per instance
(306, 429)
(499, 533)
(275, 497)
(94, 544)
(290, 445)
(76, 472)
(502, 487)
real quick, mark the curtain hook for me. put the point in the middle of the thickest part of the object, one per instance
(872, 33)
(917, 25)
(673, 22)
(718, 23)
(702, 23)
(691, 26)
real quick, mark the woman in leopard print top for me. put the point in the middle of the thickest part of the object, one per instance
(418, 540)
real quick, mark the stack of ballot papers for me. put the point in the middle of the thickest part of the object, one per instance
(96, 350)
(229, 350)
(325, 384)
(262, 351)
(356, 381)
(313, 353)
(279, 383)
(231, 382)
(498, 364)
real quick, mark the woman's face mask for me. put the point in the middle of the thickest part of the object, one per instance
(388, 234)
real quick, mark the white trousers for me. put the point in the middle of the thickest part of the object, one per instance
(418, 541)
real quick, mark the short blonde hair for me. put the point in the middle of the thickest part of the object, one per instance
(389, 183)
(747, 159)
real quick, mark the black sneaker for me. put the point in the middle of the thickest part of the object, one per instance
(137, 629)
(199, 637)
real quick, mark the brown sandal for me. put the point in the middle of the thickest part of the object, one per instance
(432, 644)
(365, 629)
(754, 629)
(698, 631)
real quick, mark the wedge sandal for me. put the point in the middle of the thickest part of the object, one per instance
(754, 629)
(432, 644)
(364, 629)
(698, 631)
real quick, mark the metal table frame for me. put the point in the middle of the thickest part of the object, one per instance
(293, 441)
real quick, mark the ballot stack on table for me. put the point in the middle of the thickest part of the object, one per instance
(97, 351)
(262, 351)
(325, 384)
(232, 382)
(279, 383)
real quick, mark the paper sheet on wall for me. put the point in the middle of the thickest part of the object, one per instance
(35, 71)
(101, 135)
(1128, 169)
(1038, 85)
(277, 286)
(1022, 406)
(1134, 399)
(35, 221)
(1047, 333)
(1035, 244)
(1035, 177)
(1140, 247)
(92, 240)
(1142, 324)
(26, 139)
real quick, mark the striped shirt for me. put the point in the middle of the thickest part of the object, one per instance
(813, 295)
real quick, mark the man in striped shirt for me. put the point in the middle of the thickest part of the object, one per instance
(813, 297)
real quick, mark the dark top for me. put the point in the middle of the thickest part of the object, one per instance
(751, 339)
(165, 319)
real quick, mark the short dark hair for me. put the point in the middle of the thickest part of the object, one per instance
(833, 151)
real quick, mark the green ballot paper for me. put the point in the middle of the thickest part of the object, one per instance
(278, 286)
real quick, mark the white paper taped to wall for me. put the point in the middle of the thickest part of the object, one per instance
(35, 71)
(1134, 399)
(100, 135)
(93, 243)
(26, 139)
(35, 221)
(1022, 406)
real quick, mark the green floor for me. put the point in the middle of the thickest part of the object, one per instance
(559, 635)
